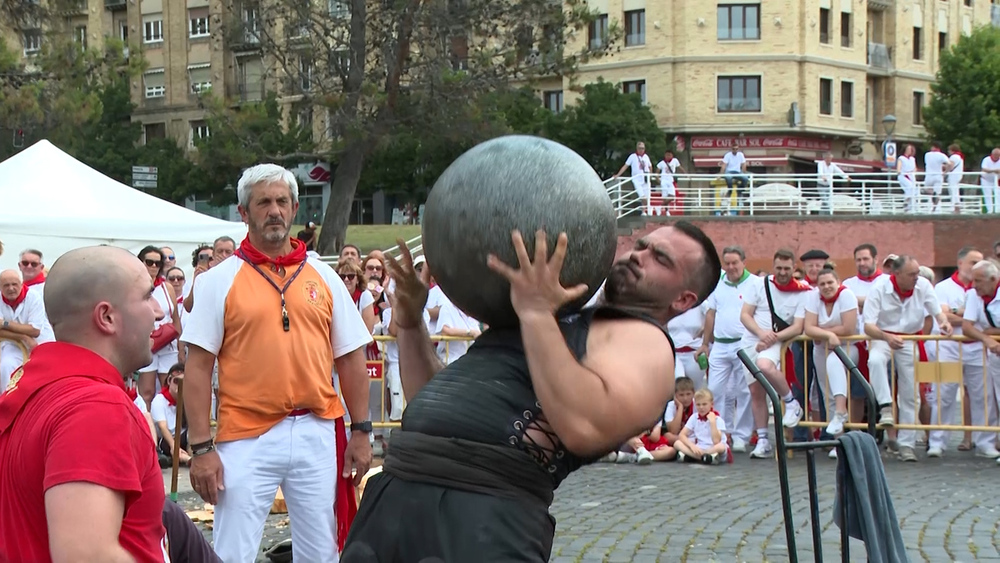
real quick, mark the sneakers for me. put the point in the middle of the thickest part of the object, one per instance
(610, 458)
(988, 452)
(836, 425)
(625, 457)
(762, 450)
(739, 446)
(710, 459)
(681, 457)
(892, 446)
(793, 414)
(832, 454)
(643, 457)
(886, 420)
(934, 451)
(906, 454)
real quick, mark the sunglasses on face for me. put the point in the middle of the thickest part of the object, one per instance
(175, 278)
(153, 263)
(373, 268)
(30, 264)
(348, 277)
(170, 257)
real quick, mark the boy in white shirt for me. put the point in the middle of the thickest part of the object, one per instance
(668, 186)
(955, 176)
(936, 164)
(703, 437)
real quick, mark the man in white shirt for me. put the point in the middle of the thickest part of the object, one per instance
(733, 170)
(955, 176)
(22, 313)
(668, 186)
(988, 181)
(686, 332)
(866, 263)
(721, 338)
(897, 307)
(641, 167)
(980, 322)
(951, 292)
(773, 312)
(826, 169)
(936, 164)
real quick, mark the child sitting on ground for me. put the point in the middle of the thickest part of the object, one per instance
(703, 437)
(658, 444)
(679, 410)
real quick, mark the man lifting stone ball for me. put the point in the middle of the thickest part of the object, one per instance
(486, 440)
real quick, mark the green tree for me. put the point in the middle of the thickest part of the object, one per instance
(603, 126)
(108, 141)
(965, 102)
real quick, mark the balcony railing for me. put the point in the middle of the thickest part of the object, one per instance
(246, 92)
(879, 56)
(114, 4)
(244, 35)
(770, 195)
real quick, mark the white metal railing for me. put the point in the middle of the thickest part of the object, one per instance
(796, 194)
(414, 244)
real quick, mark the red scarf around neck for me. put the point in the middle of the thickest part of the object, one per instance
(705, 416)
(158, 281)
(958, 281)
(793, 285)
(356, 296)
(170, 398)
(40, 278)
(254, 256)
(835, 295)
(989, 298)
(902, 294)
(870, 278)
(20, 297)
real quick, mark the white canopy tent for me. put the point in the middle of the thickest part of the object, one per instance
(55, 203)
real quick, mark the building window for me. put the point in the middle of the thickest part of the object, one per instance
(553, 100)
(846, 99)
(942, 42)
(250, 79)
(968, 2)
(824, 26)
(339, 9)
(152, 29)
(198, 23)
(918, 43)
(825, 96)
(598, 33)
(199, 132)
(635, 28)
(80, 36)
(32, 42)
(738, 21)
(635, 87)
(152, 131)
(342, 60)
(918, 108)
(200, 78)
(738, 94)
(305, 74)
(845, 29)
(155, 83)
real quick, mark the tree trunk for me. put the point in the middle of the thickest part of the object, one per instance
(338, 210)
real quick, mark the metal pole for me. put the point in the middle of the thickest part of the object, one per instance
(177, 439)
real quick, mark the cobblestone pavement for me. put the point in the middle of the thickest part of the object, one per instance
(678, 512)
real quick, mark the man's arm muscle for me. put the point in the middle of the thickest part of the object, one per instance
(84, 521)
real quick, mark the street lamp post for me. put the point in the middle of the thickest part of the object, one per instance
(888, 145)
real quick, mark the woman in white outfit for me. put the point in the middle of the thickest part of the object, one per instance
(686, 332)
(831, 314)
(153, 376)
(906, 166)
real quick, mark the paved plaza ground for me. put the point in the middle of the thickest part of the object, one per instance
(677, 512)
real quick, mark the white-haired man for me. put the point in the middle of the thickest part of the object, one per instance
(980, 322)
(896, 307)
(278, 322)
(24, 324)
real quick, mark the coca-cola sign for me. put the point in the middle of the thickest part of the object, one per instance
(761, 142)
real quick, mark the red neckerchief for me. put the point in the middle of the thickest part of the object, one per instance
(298, 254)
(874, 276)
(811, 282)
(958, 282)
(40, 278)
(902, 294)
(793, 285)
(705, 416)
(170, 398)
(688, 411)
(18, 300)
(158, 281)
(49, 363)
(835, 295)
(986, 301)
(960, 155)
(356, 296)
(345, 505)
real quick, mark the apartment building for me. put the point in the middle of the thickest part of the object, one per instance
(789, 79)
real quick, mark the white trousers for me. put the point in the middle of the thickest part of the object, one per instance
(990, 196)
(11, 358)
(955, 193)
(879, 370)
(641, 184)
(910, 192)
(832, 375)
(395, 384)
(299, 455)
(982, 408)
(686, 365)
(728, 384)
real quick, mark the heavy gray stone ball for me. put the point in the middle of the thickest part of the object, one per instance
(515, 182)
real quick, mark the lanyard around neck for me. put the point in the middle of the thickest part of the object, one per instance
(285, 324)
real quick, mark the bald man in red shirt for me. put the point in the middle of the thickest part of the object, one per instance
(79, 479)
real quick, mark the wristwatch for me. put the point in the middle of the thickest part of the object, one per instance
(364, 426)
(6, 324)
(954, 310)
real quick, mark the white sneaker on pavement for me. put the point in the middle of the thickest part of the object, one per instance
(793, 414)
(763, 449)
(988, 452)
(739, 446)
(643, 457)
(935, 452)
(836, 425)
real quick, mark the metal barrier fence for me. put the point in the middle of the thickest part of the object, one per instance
(925, 373)
(810, 449)
(20, 345)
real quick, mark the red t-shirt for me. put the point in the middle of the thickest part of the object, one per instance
(66, 418)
